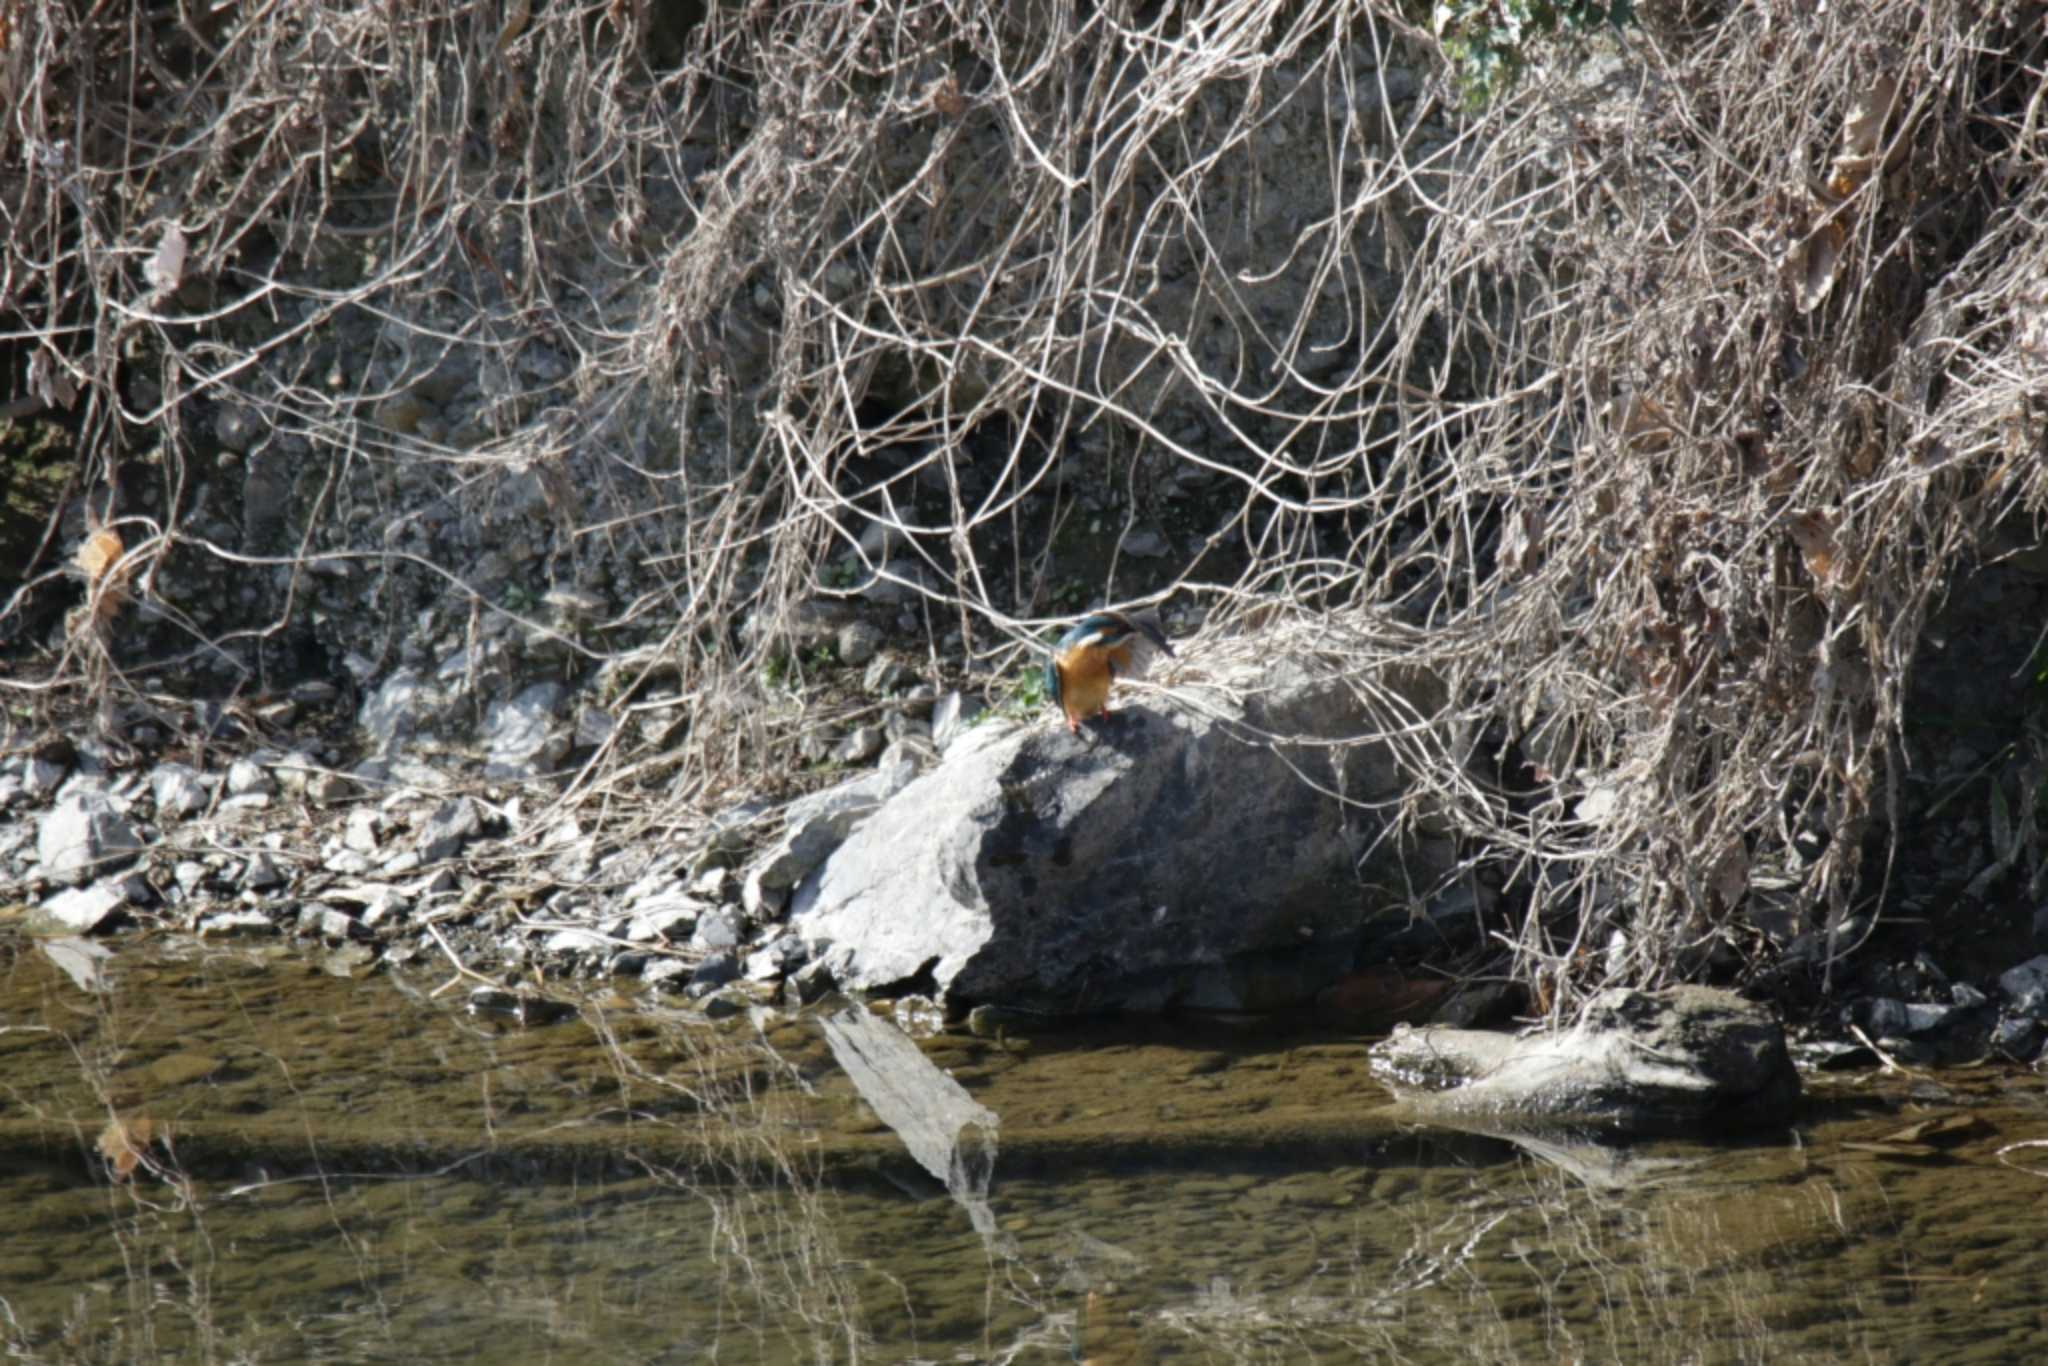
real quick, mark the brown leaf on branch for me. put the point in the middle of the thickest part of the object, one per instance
(106, 577)
(1814, 533)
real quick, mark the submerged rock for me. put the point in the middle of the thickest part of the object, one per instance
(1660, 1062)
(1164, 857)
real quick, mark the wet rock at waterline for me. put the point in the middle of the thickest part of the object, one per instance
(1167, 856)
(1928, 1032)
(1672, 1061)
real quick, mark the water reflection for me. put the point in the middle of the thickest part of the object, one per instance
(940, 1125)
(344, 1170)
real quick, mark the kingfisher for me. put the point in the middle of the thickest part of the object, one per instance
(1099, 649)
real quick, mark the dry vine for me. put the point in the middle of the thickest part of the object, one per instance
(1646, 410)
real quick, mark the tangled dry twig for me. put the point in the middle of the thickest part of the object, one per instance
(1649, 409)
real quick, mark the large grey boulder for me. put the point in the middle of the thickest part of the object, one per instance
(817, 824)
(1171, 855)
(1639, 1062)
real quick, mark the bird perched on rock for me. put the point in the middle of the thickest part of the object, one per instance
(1099, 649)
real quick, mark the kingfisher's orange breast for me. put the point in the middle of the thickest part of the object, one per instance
(1085, 677)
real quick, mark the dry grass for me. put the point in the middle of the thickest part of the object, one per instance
(1649, 409)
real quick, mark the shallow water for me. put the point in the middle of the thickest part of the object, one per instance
(338, 1169)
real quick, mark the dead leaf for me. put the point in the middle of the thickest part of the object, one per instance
(1867, 116)
(1861, 133)
(123, 1143)
(1641, 424)
(165, 269)
(1905, 1152)
(49, 382)
(1946, 1128)
(1730, 878)
(101, 552)
(1816, 262)
(2006, 835)
(516, 15)
(1521, 541)
(106, 578)
(2030, 332)
(1814, 533)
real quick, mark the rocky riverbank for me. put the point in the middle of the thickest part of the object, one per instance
(1171, 858)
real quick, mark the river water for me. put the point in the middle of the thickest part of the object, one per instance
(224, 1152)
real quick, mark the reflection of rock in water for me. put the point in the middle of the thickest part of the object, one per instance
(951, 1135)
(1600, 1166)
(1087, 1263)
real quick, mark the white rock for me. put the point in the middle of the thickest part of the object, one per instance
(83, 831)
(84, 909)
(247, 778)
